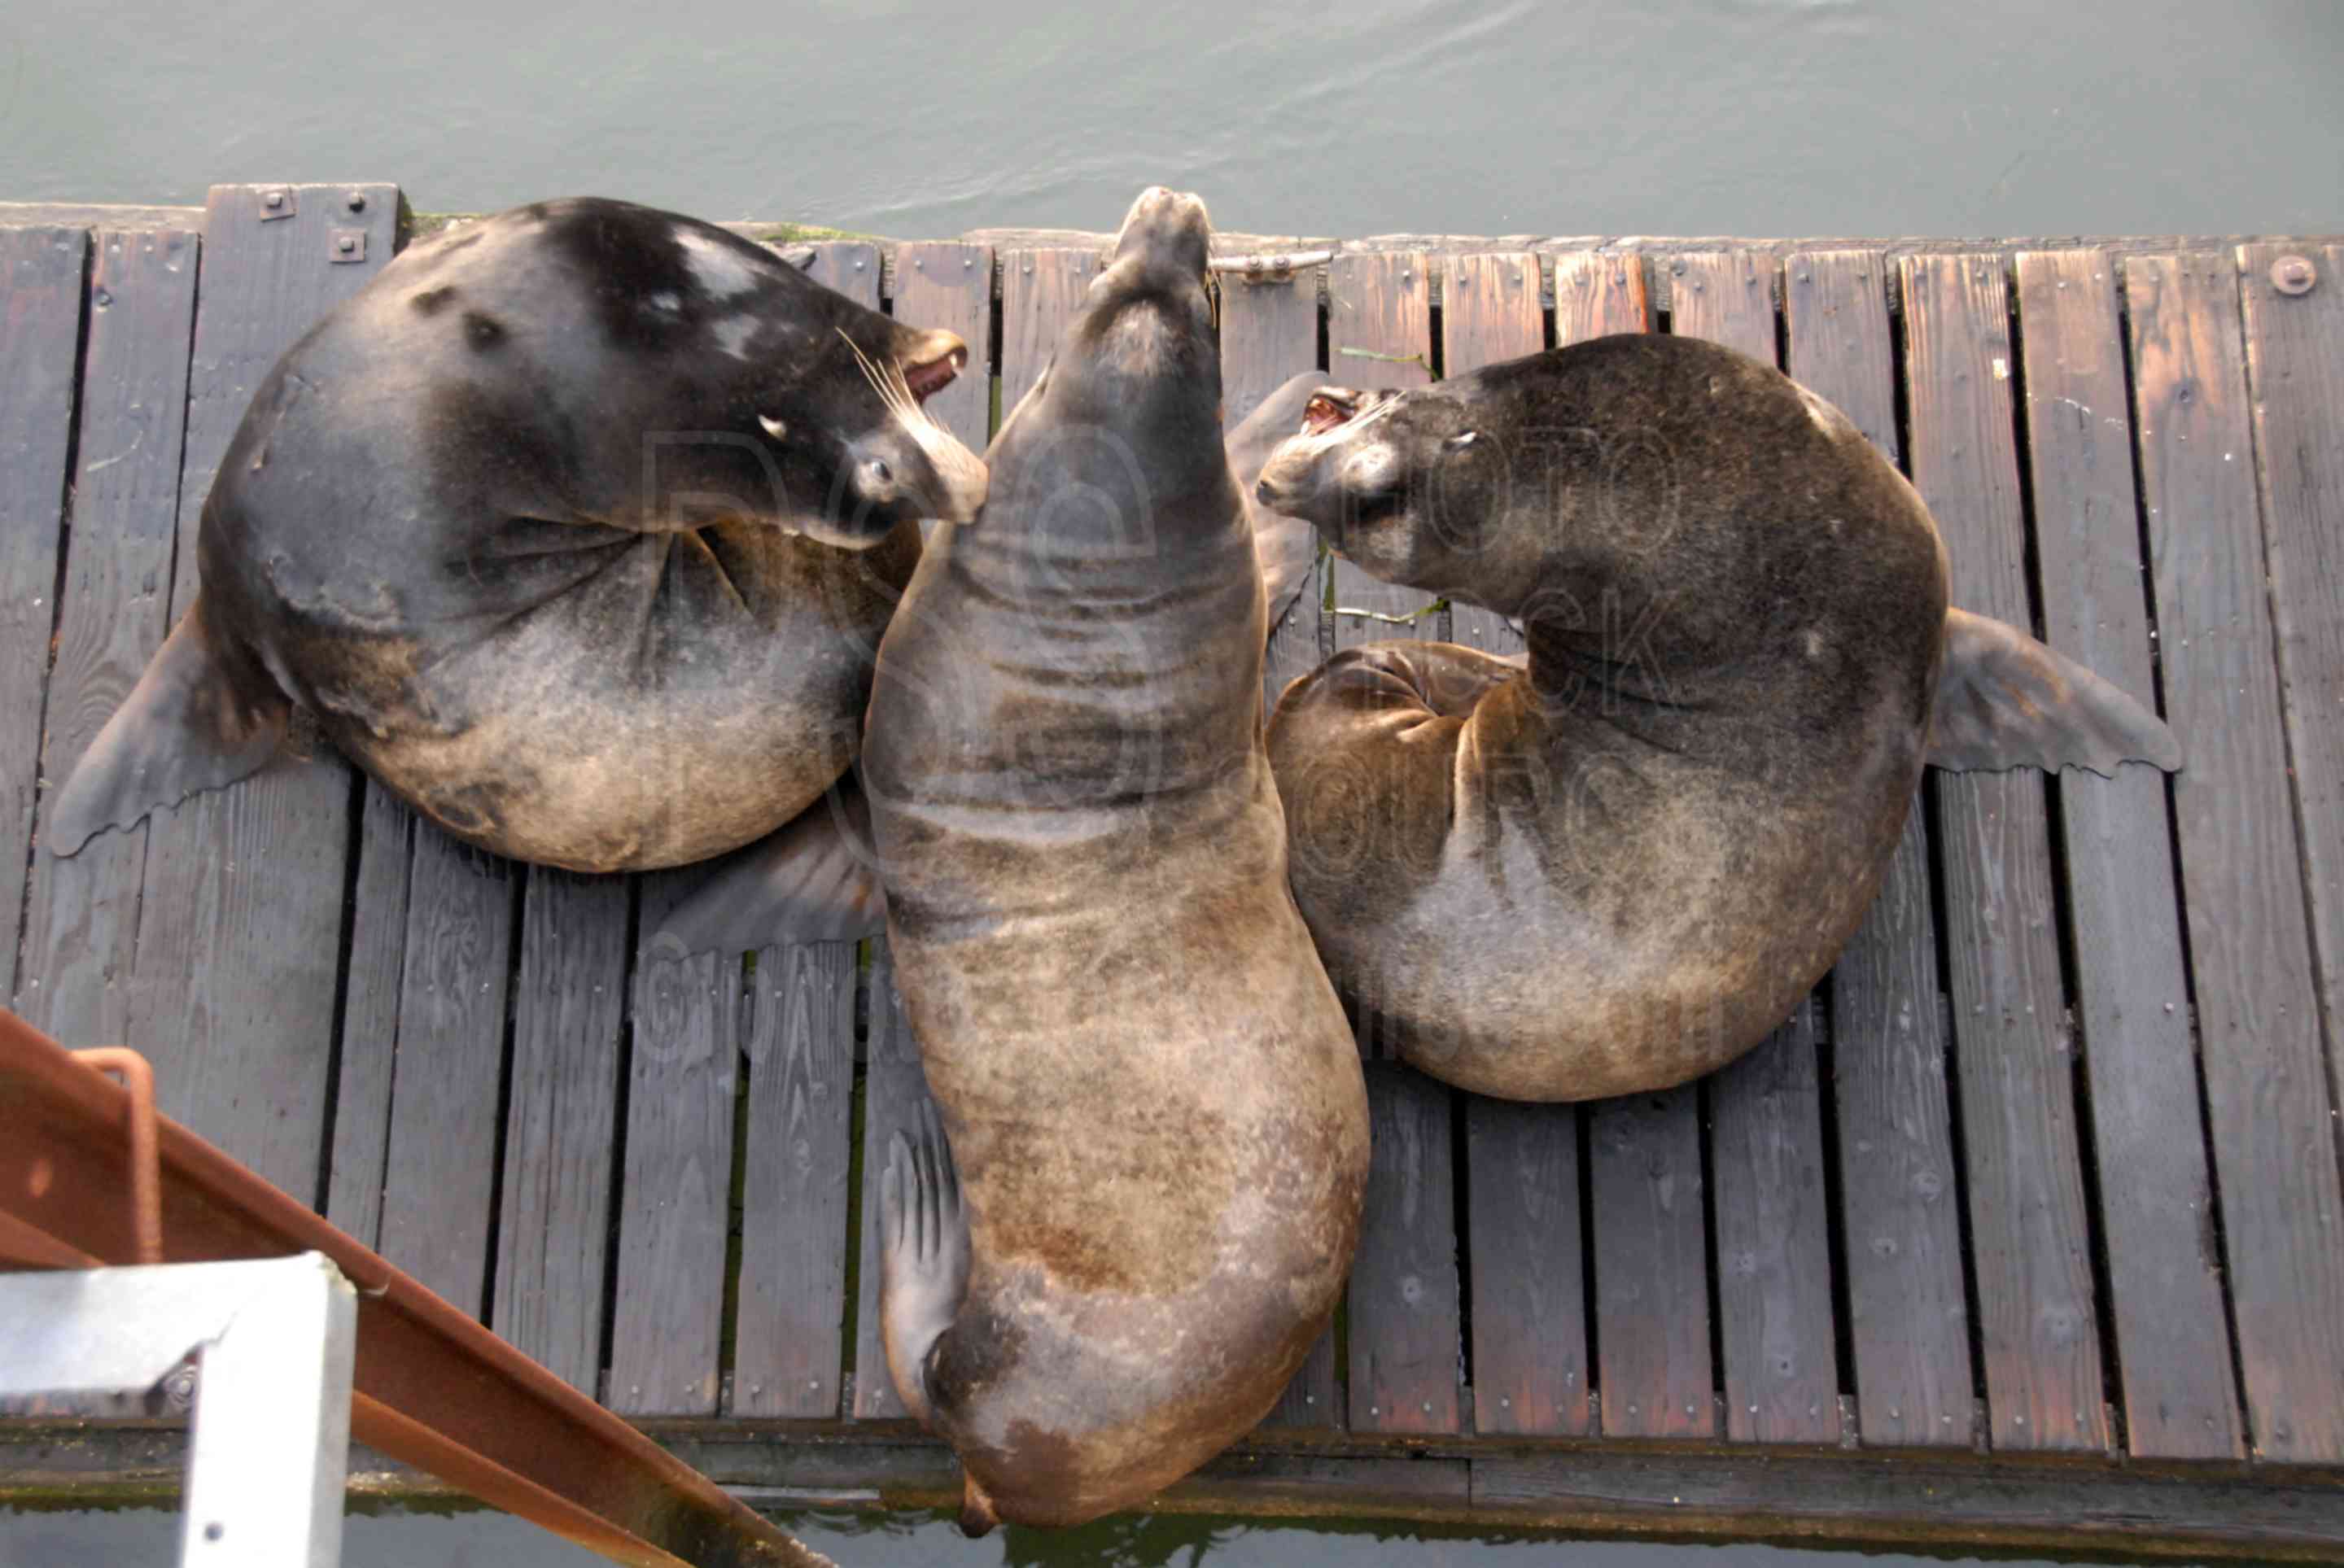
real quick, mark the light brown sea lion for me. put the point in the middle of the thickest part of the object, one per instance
(1616, 865)
(1152, 1098)
(576, 527)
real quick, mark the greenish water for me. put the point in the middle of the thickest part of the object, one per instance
(130, 1538)
(914, 117)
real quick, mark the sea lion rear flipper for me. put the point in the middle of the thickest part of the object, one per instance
(190, 724)
(814, 879)
(924, 1254)
(1286, 546)
(2005, 701)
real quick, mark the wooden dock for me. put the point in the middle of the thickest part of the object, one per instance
(2024, 1230)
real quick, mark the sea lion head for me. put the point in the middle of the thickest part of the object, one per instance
(655, 373)
(1141, 349)
(1410, 486)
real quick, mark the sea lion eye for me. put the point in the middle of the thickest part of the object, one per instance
(1459, 442)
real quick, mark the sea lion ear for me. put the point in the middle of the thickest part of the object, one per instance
(2005, 701)
(188, 724)
(814, 879)
(1286, 546)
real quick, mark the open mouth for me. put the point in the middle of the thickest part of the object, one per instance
(925, 380)
(1329, 409)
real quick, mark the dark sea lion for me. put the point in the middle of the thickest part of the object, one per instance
(1157, 1128)
(576, 527)
(1618, 865)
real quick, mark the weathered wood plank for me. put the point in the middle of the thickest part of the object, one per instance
(1726, 296)
(562, 1126)
(1269, 332)
(2241, 875)
(950, 286)
(1405, 1325)
(668, 1313)
(1521, 1162)
(2131, 989)
(439, 1167)
(1529, 1305)
(1774, 1248)
(82, 914)
(847, 267)
(370, 998)
(1040, 292)
(894, 1090)
(793, 1289)
(1650, 1244)
(1379, 334)
(1489, 312)
(240, 934)
(1908, 1316)
(2030, 1233)
(1651, 1266)
(2295, 359)
(42, 272)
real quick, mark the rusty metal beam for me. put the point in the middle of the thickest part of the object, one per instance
(433, 1388)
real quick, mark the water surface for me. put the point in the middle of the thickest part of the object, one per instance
(916, 117)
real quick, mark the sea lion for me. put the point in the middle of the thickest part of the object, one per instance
(576, 527)
(1616, 864)
(817, 878)
(1140, 1206)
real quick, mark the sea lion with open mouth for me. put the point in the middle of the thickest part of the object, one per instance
(577, 527)
(1617, 864)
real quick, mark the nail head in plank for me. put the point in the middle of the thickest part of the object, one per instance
(676, 1187)
(948, 284)
(2156, 1198)
(894, 1090)
(2029, 1229)
(1491, 312)
(562, 1127)
(82, 914)
(1908, 1316)
(2241, 875)
(792, 1291)
(1380, 335)
(240, 924)
(42, 272)
(1405, 1325)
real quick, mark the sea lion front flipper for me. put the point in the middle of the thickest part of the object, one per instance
(2005, 701)
(1286, 546)
(814, 879)
(924, 1254)
(193, 722)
